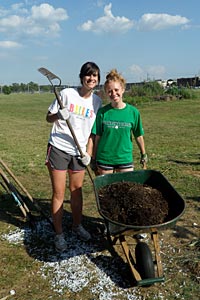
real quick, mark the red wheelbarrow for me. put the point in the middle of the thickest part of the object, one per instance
(145, 269)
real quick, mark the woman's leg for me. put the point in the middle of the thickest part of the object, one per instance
(75, 186)
(124, 170)
(104, 172)
(58, 179)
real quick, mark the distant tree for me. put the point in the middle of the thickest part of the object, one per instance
(45, 88)
(150, 88)
(6, 89)
(32, 87)
(23, 87)
(15, 88)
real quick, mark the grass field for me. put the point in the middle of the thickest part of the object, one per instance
(173, 145)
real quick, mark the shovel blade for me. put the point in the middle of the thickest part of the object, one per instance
(51, 76)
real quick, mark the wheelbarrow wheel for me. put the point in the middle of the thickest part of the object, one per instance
(144, 261)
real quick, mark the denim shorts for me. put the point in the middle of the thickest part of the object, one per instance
(60, 160)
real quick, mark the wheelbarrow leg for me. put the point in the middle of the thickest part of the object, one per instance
(110, 241)
(129, 257)
(154, 236)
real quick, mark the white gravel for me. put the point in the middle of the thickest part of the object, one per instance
(82, 266)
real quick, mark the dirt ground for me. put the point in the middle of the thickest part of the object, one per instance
(133, 204)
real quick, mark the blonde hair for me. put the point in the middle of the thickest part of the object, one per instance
(113, 75)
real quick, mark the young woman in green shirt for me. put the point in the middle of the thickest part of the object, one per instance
(116, 123)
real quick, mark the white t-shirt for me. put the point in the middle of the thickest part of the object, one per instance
(82, 116)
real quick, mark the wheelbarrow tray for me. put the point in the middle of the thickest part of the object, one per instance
(117, 231)
(155, 179)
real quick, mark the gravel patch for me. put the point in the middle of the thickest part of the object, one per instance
(84, 266)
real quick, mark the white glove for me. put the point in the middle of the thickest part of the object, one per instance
(63, 114)
(85, 159)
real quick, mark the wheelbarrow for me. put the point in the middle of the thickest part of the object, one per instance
(145, 269)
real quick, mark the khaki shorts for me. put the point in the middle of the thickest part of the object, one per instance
(60, 160)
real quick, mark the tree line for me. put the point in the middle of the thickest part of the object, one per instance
(144, 91)
(30, 87)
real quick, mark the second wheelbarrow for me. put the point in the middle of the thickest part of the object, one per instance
(145, 270)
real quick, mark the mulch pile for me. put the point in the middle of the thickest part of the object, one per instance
(133, 204)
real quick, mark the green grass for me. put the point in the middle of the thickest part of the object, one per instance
(173, 146)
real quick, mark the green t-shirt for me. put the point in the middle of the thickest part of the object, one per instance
(115, 128)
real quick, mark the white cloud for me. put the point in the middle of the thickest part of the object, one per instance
(42, 20)
(160, 21)
(48, 13)
(156, 72)
(11, 22)
(9, 44)
(152, 72)
(18, 8)
(108, 23)
(136, 69)
(3, 12)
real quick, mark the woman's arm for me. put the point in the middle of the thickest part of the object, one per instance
(51, 117)
(143, 155)
(96, 142)
(90, 144)
(140, 143)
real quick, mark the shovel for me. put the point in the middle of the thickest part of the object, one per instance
(52, 77)
(9, 187)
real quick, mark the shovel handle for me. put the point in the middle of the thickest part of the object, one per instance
(39, 209)
(15, 179)
(72, 131)
(11, 189)
(68, 123)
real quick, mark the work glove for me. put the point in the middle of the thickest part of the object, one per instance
(63, 114)
(93, 165)
(85, 159)
(144, 159)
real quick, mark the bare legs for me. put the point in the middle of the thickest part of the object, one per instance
(103, 172)
(75, 186)
(58, 179)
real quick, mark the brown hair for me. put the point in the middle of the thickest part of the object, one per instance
(113, 75)
(89, 68)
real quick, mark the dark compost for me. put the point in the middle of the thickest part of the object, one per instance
(133, 204)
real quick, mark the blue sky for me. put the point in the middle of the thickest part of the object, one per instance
(146, 39)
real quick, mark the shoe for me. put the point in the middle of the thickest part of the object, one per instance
(60, 243)
(81, 232)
